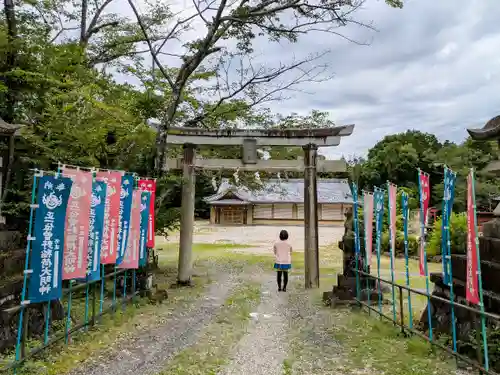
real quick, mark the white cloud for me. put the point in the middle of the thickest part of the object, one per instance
(433, 66)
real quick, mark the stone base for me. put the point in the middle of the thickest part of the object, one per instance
(346, 291)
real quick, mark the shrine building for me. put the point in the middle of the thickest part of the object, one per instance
(278, 202)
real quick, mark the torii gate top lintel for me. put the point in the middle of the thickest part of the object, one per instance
(264, 137)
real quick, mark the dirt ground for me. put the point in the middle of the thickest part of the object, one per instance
(262, 236)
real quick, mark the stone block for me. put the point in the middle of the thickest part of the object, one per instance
(489, 249)
(492, 228)
(490, 272)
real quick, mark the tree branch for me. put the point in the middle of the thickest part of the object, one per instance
(150, 44)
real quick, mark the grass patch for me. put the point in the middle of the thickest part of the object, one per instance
(60, 359)
(371, 343)
(344, 341)
(213, 349)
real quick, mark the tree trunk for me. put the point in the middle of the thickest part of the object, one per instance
(10, 18)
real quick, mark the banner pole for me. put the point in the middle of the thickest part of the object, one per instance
(133, 285)
(404, 198)
(356, 238)
(392, 205)
(367, 248)
(446, 241)
(86, 303)
(114, 291)
(422, 239)
(378, 229)
(68, 317)
(124, 290)
(103, 281)
(479, 276)
(26, 269)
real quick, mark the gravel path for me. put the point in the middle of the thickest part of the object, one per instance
(264, 348)
(147, 353)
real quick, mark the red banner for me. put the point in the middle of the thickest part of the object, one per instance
(368, 217)
(150, 185)
(425, 194)
(111, 215)
(472, 290)
(131, 257)
(76, 235)
(393, 192)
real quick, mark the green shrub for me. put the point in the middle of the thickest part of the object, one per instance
(400, 244)
(458, 231)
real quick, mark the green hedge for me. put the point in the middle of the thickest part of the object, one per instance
(400, 245)
(458, 230)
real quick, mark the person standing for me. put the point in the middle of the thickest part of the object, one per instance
(283, 260)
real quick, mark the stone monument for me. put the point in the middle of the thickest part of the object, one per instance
(345, 291)
(489, 249)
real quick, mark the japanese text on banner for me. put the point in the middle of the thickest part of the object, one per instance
(77, 224)
(448, 195)
(109, 247)
(145, 200)
(472, 289)
(45, 283)
(131, 256)
(368, 217)
(379, 218)
(125, 208)
(96, 229)
(150, 185)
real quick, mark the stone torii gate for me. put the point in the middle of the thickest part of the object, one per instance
(250, 140)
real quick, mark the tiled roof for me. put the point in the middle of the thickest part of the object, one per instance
(287, 191)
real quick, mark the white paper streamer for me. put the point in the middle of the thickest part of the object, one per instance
(257, 178)
(236, 177)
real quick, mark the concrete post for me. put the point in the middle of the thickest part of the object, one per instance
(311, 248)
(187, 216)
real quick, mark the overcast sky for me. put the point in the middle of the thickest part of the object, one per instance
(432, 66)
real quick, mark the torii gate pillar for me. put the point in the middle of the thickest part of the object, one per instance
(311, 245)
(187, 215)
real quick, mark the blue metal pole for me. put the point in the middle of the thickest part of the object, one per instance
(86, 303)
(391, 250)
(101, 302)
(378, 228)
(404, 198)
(68, 316)
(124, 290)
(26, 268)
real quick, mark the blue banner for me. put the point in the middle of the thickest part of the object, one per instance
(448, 196)
(96, 227)
(378, 197)
(125, 208)
(45, 282)
(145, 202)
(404, 204)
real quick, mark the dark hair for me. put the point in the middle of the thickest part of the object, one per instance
(283, 235)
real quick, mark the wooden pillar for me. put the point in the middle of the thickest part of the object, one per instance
(311, 248)
(249, 214)
(212, 215)
(185, 267)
